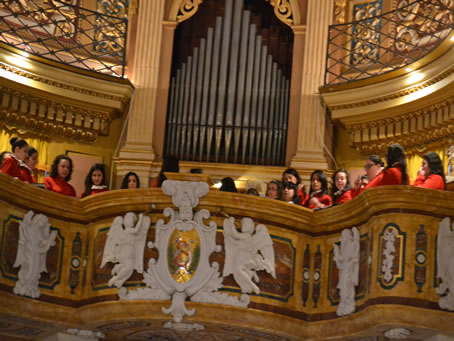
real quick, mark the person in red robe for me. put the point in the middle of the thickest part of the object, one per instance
(95, 182)
(431, 174)
(341, 187)
(60, 174)
(318, 194)
(11, 165)
(28, 166)
(291, 175)
(395, 173)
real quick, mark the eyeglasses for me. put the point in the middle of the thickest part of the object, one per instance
(368, 166)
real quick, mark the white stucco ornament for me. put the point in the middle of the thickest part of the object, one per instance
(347, 261)
(125, 246)
(388, 254)
(398, 333)
(185, 244)
(35, 239)
(445, 264)
(247, 252)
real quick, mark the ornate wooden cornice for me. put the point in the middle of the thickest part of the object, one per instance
(47, 100)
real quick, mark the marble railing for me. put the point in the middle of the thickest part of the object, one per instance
(389, 282)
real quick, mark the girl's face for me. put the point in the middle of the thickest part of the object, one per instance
(315, 183)
(96, 177)
(341, 180)
(21, 153)
(273, 191)
(32, 161)
(290, 178)
(425, 167)
(288, 194)
(132, 182)
(63, 168)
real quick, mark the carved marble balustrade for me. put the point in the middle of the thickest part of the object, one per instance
(295, 294)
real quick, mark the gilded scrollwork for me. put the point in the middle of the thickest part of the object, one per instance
(339, 11)
(366, 32)
(187, 9)
(283, 11)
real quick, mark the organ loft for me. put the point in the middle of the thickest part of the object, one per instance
(243, 89)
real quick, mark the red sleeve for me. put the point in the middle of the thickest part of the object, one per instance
(326, 200)
(347, 196)
(391, 176)
(10, 166)
(433, 181)
(26, 175)
(303, 198)
(355, 192)
(48, 183)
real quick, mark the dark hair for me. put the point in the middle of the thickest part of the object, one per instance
(435, 165)
(294, 172)
(323, 179)
(31, 151)
(54, 168)
(89, 181)
(376, 159)
(280, 188)
(291, 185)
(170, 164)
(2, 157)
(124, 183)
(252, 191)
(228, 185)
(17, 143)
(396, 157)
(336, 192)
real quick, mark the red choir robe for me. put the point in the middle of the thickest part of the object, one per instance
(59, 185)
(433, 181)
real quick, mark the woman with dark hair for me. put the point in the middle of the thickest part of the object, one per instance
(431, 174)
(341, 187)
(60, 174)
(170, 164)
(28, 166)
(95, 181)
(291, 175)
(318, 195)
(11, 166)
(274, 190)
(290, 194)
(130, 181)
(228, 185)
(396, 171)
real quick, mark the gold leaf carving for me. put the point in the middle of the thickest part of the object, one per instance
(283, 11)
(187, 9)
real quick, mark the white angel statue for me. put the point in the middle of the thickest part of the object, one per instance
(445, 256)
(242, 257)
(347, 261)
(35, 239)
(125, 245)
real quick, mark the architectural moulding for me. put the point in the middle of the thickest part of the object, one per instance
(71, 104)
(286, 11)
(412, 108)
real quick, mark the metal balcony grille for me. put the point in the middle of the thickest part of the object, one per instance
(377, 43)
(66, 33)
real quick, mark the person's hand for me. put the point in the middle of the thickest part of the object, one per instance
(421, 172)
(316, 202)
(300, 187)
(357, 183)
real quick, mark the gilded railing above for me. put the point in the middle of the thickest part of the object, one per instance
(62, 31)
(376, 43)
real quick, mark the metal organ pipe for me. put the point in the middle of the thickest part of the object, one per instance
(229, 95)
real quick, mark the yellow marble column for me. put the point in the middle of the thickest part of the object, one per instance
(137, 153)
(311, 126)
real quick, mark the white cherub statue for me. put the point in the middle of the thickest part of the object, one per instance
(35, 239)
(347, 261)
(125, 245)
(445, 264)
(242, 257)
